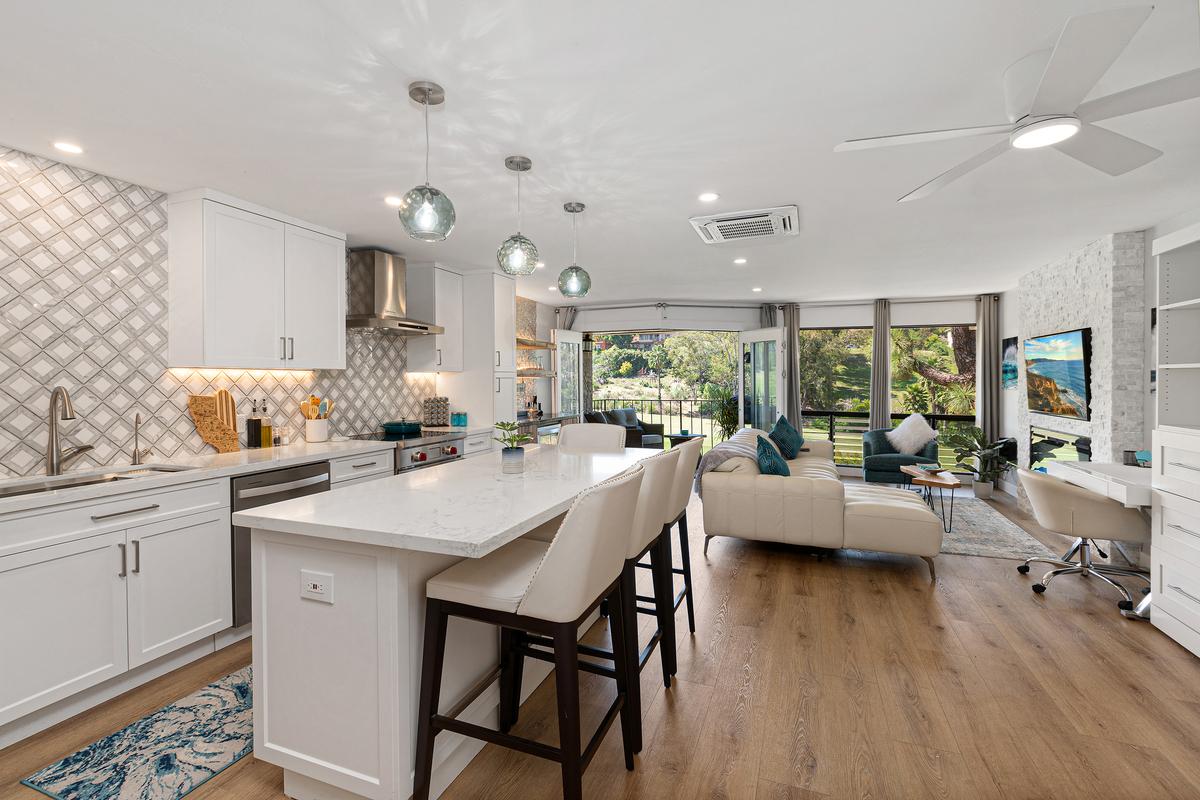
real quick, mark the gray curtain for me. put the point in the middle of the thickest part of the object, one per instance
(881, 367)
(768, 315)
(791, 378)
(566, 317)
(987, 360)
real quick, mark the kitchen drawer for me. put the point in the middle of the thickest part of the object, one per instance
(1177, 526)
(1177, 590)
(1177, 464)
(43, 527)
(359, 466)
(479, 443)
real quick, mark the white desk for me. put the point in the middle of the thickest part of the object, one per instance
(1129, 486)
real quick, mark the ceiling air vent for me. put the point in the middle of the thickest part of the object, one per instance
(757, 224)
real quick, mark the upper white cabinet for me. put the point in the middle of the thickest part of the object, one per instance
(504, 297)
(435, 294)
(489, 326)
(251, 288)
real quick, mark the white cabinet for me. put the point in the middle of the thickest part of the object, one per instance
(178, 583)
(362, 467)
(504, 299)
(63, 628)
(435, 295)
(505, 405)
(251, 288)
(489, 351)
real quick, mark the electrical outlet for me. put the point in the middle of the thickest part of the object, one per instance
(316, 586)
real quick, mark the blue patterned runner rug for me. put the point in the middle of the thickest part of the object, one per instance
(162, 756)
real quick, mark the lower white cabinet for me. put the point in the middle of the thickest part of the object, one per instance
(178, 583)
(63, 624)
(506, 398)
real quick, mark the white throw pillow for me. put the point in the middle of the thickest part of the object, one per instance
(911, 435)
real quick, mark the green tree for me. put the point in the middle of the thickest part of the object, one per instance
(607, 363)
(658, 361)
(917, 399)
(698, 358)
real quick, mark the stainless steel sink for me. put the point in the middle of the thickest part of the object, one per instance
(87, 479)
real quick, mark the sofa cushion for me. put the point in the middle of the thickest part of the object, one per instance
(786, 438)
(596, 417)
(890, 521)
(892, 462)
(624, 416)
(911, 435)
(769, 460)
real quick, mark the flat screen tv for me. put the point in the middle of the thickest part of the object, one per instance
(1058, 372)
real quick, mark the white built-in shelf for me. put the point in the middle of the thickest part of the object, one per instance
(1188, 429)
(1181, 304)
(1179, 366)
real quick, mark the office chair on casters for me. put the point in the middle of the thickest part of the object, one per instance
(1072, 510)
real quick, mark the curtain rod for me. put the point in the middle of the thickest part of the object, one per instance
(813, 304)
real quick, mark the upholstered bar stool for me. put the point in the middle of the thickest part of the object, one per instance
(592, 437)
(547, 589)
(681, 493)
(646, 535)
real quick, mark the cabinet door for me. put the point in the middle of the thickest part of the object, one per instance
(315, 306)
(506, 398)
(449, 301)
(243, 289)
(504, 295)
(62, 628)
(180, 583)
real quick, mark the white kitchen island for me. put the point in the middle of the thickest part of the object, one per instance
(339, 591)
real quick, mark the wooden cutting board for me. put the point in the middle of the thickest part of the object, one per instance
(226, 409)
(210, 427)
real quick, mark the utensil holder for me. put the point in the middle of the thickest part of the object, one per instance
(316, 430)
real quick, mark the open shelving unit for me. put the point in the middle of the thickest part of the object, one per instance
(534, 344)
(1178, 360)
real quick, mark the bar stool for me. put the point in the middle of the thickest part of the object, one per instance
(592, 437)
(646, 536)
(546, 589)
(681, 493)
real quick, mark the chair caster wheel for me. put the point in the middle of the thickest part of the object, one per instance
(1125, 605)
(1023, 569)
(1146, 590)
(1038, 588)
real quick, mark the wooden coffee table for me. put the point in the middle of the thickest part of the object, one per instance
(928, 481)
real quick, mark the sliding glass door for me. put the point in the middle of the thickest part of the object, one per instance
(760, 378)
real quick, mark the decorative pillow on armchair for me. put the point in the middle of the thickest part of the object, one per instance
(911, 435)
(770, 462)
(626, 417)
(787, 438)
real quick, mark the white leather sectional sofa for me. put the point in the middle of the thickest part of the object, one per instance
(814, 507)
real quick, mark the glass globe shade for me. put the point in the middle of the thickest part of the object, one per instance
(426, 214)
(517, 255)
(574, 282)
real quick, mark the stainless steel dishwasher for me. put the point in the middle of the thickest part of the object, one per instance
(261, 489)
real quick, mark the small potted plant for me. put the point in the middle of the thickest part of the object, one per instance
(980, 457)
(512, 457)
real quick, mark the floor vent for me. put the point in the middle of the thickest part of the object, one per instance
(757, 224)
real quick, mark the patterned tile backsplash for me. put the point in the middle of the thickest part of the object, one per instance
(83, 304)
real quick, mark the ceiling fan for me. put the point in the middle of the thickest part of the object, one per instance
(1043, 94)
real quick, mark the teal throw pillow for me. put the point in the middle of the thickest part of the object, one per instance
(787, 438)
(769, 460)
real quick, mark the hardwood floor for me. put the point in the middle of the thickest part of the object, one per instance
(833, 675)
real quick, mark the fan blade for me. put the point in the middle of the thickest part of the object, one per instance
(1106, 151)
(920, 136)
(954, 173)
(1162, 92)
(1086, 48)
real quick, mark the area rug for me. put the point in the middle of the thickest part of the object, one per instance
(980, 530)
(162, 756)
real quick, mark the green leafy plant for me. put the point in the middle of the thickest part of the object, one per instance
(509, 437)
(977, 455)
(722, 404)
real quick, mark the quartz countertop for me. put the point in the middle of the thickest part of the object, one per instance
(463, 508)
(202, 467)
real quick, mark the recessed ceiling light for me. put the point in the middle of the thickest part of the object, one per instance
(709, 197)
(541, 264)
(392, 200)
(1044, 132)
(739, 261)
(756, 289)
(67, 147)
(552, 288)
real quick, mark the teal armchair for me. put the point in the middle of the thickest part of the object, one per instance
(881, 462)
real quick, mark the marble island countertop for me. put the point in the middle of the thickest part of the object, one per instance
(463, 508)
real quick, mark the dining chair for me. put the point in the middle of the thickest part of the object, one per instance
(591, 437)
(546, 589)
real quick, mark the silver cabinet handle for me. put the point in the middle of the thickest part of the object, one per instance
(1191, 597)
(124, 571)
(110, 515)
(497, 358)
(364, 465)
(439, 356)
(283, 348)
(137, 556)
(280, 488)
(1185, 465)
(1182, 529)
(497, 386)
(291, 348)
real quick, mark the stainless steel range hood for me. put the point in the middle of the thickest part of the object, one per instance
(378, 296)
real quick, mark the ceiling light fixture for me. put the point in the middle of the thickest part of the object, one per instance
(67, 147)
(739, 261)
(425, 212)
(709, 197)
(541, 264)
(756, 289)
(574, 280)
(393, 201)
(1044, 132)
(552, 288)
(517, 255)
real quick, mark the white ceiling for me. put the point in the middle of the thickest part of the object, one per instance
(631, 107)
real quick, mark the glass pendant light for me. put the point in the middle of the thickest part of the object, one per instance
(574, 280)
(425, 212)
(517, 255)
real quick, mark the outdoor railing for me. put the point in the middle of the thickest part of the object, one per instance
(845, 430)
(675, 416)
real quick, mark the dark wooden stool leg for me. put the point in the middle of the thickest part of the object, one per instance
(566, 679)
(685, 555)
(604, 607)
(508, 658)
(431, 688)
(626, 632)
(664, 603)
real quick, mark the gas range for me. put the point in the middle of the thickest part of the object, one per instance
(417, 450)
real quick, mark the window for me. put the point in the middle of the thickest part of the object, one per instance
(933, 370)
(835, 387)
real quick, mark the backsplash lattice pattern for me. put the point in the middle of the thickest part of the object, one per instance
(83, 303)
